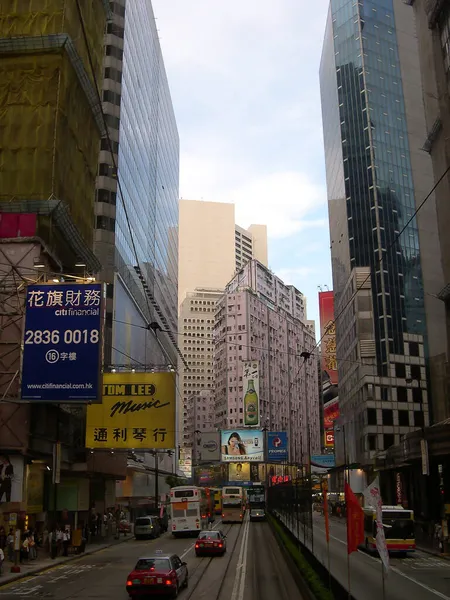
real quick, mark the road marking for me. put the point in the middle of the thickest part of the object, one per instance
(190, 547)
(239, 578)
(395, 570)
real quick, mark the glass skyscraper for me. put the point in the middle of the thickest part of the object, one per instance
(382, 255)
(144, 135)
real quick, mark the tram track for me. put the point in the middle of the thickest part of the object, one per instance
(206, 563)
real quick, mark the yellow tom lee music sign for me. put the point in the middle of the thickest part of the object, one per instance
(137, 411)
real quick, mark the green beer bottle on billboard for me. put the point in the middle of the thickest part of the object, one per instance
(251, 398)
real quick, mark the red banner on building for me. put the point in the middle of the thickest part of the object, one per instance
(328, 335)
(330, 414)
(355, 520)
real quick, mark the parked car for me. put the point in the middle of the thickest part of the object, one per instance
(124, 526)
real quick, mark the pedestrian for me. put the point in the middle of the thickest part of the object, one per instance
(53, 543)
(65, 541)
(10, 545)
(2, 538)
(2, 560)
(32, 546)
(24, 550)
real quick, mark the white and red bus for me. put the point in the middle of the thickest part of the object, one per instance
(233, 504)
(188, 510)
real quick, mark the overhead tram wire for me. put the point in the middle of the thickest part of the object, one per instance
(141, 278)
(380, 260)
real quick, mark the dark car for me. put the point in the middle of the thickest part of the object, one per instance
(147, 527)
(210, 543)
(257, 514)
(162, 574)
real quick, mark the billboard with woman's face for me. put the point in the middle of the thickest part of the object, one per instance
(242, 445)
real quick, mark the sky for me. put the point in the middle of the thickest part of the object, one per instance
(244, 79)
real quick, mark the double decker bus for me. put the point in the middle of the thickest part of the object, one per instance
(233, 504)
(398, 525)
(188, 510)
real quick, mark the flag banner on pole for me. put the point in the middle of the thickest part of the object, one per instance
(355, 521)
(372, 498)
(326, 515)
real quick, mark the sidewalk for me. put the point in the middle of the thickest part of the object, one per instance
(420, 545)
(43, 564)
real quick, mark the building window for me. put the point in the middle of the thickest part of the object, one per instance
(417, 395)
(400, 370)
(415, 372)
(444, 32)
(402, 394)
(117, 9)
(403, 418)
(418, 418)
(105, 223)
(371, 416)
(388, 416)
(114, 51)
(413, 349)
(388, 440)
(372, 439)
(115, 29)
(112, 97)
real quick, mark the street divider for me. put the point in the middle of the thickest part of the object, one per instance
(309, 574)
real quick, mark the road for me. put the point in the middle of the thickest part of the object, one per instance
(419, 576)
(252, 568)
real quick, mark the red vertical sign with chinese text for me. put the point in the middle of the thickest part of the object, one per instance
(328, 335)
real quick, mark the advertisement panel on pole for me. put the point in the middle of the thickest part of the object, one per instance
(185, 462)
(330, 414)
(61, 357)
(328, 335)
(277, 443)
(323, 461)
(209, 447)
(242, 445)
(138, 411)
(250, 387)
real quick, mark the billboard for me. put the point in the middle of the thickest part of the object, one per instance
(208, 447)
(185, 462)
(328, 335)
(330, 414)
(11, 478)
(277, 446)
(324, 461)
(138, 411)
(61, 356)
(242, 445)
(250, 388)
(239, 472)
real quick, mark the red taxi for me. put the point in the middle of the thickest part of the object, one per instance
(159, 575)
(210, 542)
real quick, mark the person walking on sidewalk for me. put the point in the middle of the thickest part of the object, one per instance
(65, 541)
(2, 560)
(10, 545)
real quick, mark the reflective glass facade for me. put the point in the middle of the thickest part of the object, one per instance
(368, 161)
(148, 163)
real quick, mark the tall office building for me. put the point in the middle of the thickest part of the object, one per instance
(212, 247)
(385, 274)
(261, 319)
(433, 33)
(196, 322)
(145, 143)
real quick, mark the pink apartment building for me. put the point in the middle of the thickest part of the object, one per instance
(259, 318)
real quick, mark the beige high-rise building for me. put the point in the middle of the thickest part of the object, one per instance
(211, 250)
(211, 247)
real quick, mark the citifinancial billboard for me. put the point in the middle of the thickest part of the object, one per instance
(62, 343)
(138, 411)
(328, 335)
(242, 445)
(277, 443)
(330, 414)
